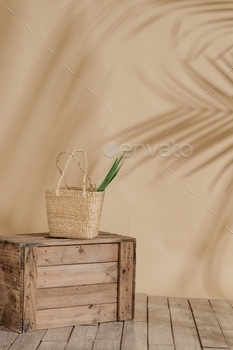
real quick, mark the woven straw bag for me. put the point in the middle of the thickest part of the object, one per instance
(74, 212)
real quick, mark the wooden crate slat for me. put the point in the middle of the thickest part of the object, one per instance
(126, 290)
(80, 254)
(76, 295)
(43, 239)
(53, 318)
(134, 336)
(223, 312)
(159, 327)
(11, 277)
(70, 275)
(82, 338)
(10, 297)
(11, 319)
(30, 289)
(140, 307)
(10, 255)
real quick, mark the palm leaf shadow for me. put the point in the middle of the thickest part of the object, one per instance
(209, 126)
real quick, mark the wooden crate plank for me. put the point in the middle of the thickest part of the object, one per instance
(10, 297)
(134, 336)
(140, 307)
(159, 327)
(28, 341)
(186, 338)
(57, 334)
(7, 337)
(126, 290)
(52, 346)
(49, 298)
(30, 289)
(215, 348)
(161, 347)
(43, 239)
(179, 302)
(157, 302)
(82, 338)
(11, 319)
(11, 277)
(110, 331)
(78, 254)
(53, 318)
(70, 275)
(11, 255)
(107, 345)
(223, 312)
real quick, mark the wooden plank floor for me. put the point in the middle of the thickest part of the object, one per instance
(160, 324)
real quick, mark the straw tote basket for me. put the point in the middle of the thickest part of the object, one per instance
(74, 212)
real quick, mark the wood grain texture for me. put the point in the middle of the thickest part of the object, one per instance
(160, 347)
(181, 317)
(82, 338)
(126, 290)
(11, 319)
(7, 337)
(52, 346)
(157, 302)
(140, 307)
(200, 304)
(43, 239)
(179, 302)
(10, 297)
(11, 255)
(76, 296)
(11, 277)
(107, 345)
(186, 338)
(30, 289)
(53, 318)
(159, 327)
(134, 336)
(224, 313)
(108, 336)
(110, 331)
(77, 254)
(71, 275)
(28, 341)
(57, 334)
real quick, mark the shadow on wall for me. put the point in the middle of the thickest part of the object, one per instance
(202, 115)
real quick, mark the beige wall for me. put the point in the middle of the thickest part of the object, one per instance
(149, 62)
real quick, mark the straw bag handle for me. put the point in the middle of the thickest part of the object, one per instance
(78, 163)
(66, 166)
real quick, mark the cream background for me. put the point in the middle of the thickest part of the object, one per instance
(149, 62)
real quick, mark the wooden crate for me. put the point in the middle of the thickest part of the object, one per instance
(50, 282)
